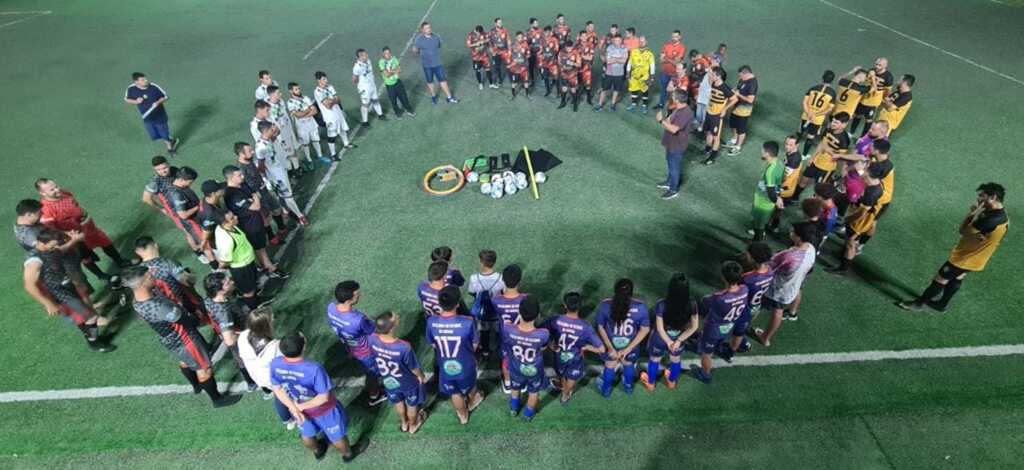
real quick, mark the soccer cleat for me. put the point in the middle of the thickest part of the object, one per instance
(643, 109)
(321, 449)
(382, 117)
(631, 108)
(291, 425)
(303, 221)
(506, 387)
(598, 108)
(744, 346)
(698, 373)
(453, 100)
(493, 86)
(101, 346)
(226, 400)
(365, 125)
(279, 274)
(661, 186)
(726, 353)
(709, 161)
(433, 100)
(251, 387)
(480, 86)
(614, 107)
(374, 401)
(410, 114)
(790, 316)
(936, 305)
(646, 382)
(731, 142)
(911, 305)
(668, 383)
(670, 195)
(735, 151)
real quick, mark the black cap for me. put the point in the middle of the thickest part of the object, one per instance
(211, 186)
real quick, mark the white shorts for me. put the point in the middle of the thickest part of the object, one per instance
(335, 124)
(278, 178)
(368, 95)
(306, 131)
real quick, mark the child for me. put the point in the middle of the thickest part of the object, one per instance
(507, 307)
(525, 344)
(720, 311)
(225, 309)
(571, 337)
(485, 286)
(675, 320)
(622, 323)
(400, 373)
(428, 290)
(444, 254)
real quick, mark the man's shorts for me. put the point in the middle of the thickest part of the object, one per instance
(865, 111)
(368, 95)
(94, 237)
(809, 129)
(638, 86)
(413, 396)
(949, 271)
(192, 351)
(433, 74)
(713, 124)
(613, 83)
(740, 123)
(712, 335)
(256, 236)
(771, 304)
(573, 369)
(336, 126)
(482, 63)
(279, 180)
(451, 385)
(157, 130)
(246, 278)
(76, 310)
(656, 347)
(742, 324)
(531, 384)
(586, 76)
(306, 132)
(334, 425)
(570, 80)
(268, 201)
(815, 173)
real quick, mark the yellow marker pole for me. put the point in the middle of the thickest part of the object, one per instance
(529, 166)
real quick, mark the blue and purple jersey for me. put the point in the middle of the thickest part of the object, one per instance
(571, 335)
(428, 298)
(454, 278)
(659, 312)
(303, 380)
(353, 329)
(525, 349)
(454, 339)
(508, 308)
(395, 363)
(621, 334)
(724, 306)
(757, 284)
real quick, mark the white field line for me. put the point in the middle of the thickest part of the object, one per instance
(924, 43)
(330, 171)
(739, 361)
(32, 14)
(317, 46)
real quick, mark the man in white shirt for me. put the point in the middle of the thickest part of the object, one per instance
(307, 133)
(279, 116)
(262, 109)
(265, 81)
(334, 118)
(362, 76)
(791, 268)
(272, 159)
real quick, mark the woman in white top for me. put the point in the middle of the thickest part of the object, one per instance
(257, 348)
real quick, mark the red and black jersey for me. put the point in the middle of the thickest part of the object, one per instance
(499, 40)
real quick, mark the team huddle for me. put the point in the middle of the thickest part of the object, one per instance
(238, 218)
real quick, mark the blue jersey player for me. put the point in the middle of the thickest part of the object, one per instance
(507, 307)
(757, 279)
(354, 329)
(675, 321)
(444, 254)
(428, 290)
(525, 344)
(622, 323)
(571, 336)
(455, 338)
(720, 310)
(399, 372)
(305, 389)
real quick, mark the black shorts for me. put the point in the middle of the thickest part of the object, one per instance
(950, 272)
(865, 111)
(770, 305)
(739, 123)
(246, 278)
(815, 173)
(613, 83)
(257, 236)
(809, 130)
(881, 211)
(713, 124)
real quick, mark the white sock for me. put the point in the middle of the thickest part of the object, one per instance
(344, 138)
(316, 149)
(365, 112)
(330, 146)
(377, 109)
(292, 206)
(305, 151)
(294, 162)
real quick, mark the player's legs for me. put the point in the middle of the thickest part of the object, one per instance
(650, 377)
(403, 417)
(947, 282)
(663, 80)
(414, 418)
(608, 377)
(532, 404)
(461, 406)
(628, 376)
(514, 403)
(674, 371)
(568, 388)
(773, 327)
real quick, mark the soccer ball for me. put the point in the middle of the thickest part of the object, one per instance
(509, 177)
(496, 191)
(510, 189)
(486, 188)
(521, 181)
(540, 177)
(473, 177)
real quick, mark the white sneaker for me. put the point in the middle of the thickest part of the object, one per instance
(290, 425)
(480, 86)
(203, 259)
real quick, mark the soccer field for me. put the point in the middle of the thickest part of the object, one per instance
(795, 405)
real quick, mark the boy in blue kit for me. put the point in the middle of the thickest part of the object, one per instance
(428, 290)
(622, 323)
(399, 372)
(444, 254)
(354, 329)
(507, 306)
(455, 338)
(758, 279)
(675, 320)
(571, 336)
(525, 345)
(720, 310)
(305, 389)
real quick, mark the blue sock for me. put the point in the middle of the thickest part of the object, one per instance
(652, 371)
(529, 412)
(513, 405)
(608, 378)
(674, 371)
(628, 375)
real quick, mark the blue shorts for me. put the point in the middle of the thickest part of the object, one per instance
(157, 130)
(334, 425)
(533, 384)
(573, 370)
(434, 74)
(656, 347)
(412, 396)
(713, 335)
(451, 385)
(631, 357)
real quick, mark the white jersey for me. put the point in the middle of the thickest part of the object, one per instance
(254, 130)
(261, 91)
(332, 114)
(269, 153)
(364, 72)
(300, 104)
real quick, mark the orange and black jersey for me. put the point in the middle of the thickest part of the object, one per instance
(499, 39)
(562, 32)
(881, 83)
(568, 61)
(536, 38)
(980, 241)
(720, 95)
(888, 177)
(901, 105)
(792, 173)
(819, 99)
(848, 96)
(862, 218)
(520, 55)
(836, 143)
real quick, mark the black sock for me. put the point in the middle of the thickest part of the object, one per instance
(867, 126)
(479, 77)
(514, 90)
(758, 235)
(864, 239)
(210, 387)
(113, 254)
(490, 78)
(854, 124)
(192, 378)
(93, 268)
(951, 287)
(707, 148)
(279, 220)
(844, 263)
(933, 290)
(807, 146)
(89, 331)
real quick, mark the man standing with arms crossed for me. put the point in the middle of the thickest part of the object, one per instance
(672, 55)
(428, 46)
(677, 125)
(390, 70)
(362, 77)
(614, 80)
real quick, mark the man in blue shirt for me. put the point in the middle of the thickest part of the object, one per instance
(428, 46)
(150, 98)
(455, 339)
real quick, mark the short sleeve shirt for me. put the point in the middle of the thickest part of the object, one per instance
(677, 142)
(149, 95)
(621, 53)
(389, 65)
(430, 50)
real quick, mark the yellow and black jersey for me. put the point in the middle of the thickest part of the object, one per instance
(836, 143)
(978, 245)
(848, 96)
(861, 219)
(901, 105)
(819, 99)
(888, 177)
(720, 95)
(881, 84)
(745, 88)
(792, 174)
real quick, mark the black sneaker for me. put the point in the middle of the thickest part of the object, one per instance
(366, 125)
(661, 186)
(374, 401)
(710, 161)
(279, 274)
(935, 305)
(670, 195)
(911, 305)
(321, 449)
(382, 118)
(101, 346)
(227, 400)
